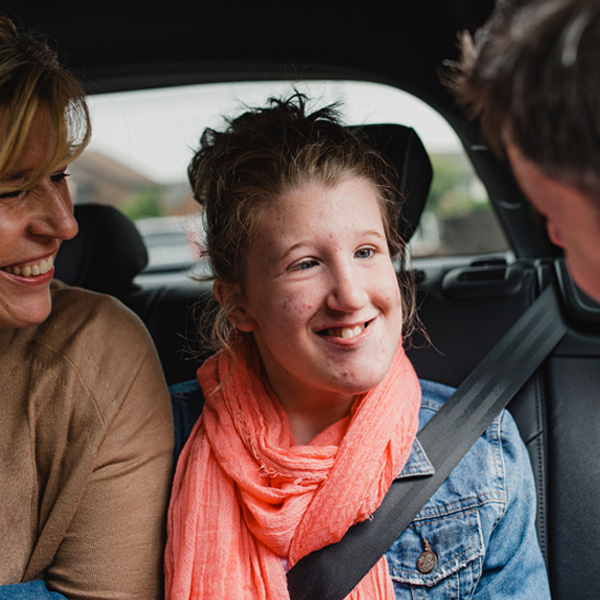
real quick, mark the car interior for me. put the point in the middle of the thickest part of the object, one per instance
(466, 302)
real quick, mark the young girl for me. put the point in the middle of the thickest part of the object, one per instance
(311, 405)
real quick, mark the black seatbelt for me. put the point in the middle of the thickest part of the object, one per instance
(332, 572)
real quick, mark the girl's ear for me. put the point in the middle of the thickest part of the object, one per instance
(229, 297)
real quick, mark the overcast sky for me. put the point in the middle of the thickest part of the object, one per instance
(155, 132)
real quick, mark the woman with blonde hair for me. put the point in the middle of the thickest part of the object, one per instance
(85, 427)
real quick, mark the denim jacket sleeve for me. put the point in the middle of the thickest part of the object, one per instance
(513, 566)
(32, 590)
(479, 525)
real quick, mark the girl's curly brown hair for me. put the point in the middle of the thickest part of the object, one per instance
(266, 152)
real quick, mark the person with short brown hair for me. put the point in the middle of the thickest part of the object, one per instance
(532, 78)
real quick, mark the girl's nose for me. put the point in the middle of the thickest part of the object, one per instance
(348, 292)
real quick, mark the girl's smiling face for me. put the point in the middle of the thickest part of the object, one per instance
(321, 297)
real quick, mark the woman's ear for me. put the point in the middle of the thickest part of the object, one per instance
(230, 298)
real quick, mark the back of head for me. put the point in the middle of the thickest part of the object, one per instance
(532, 76)
(31, 79)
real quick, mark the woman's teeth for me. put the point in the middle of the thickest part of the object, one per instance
(31, 270)
(345, 332)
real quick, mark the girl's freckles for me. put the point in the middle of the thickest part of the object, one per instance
(292, 306)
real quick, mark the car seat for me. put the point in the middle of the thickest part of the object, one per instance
(106, 256)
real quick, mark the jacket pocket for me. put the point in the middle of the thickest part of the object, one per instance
(438, 558)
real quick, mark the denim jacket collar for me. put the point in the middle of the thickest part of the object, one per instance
(418, 463)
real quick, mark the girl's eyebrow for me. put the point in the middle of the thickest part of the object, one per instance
(294, 247)
(373, 232)
(280, 257)
(367, 232)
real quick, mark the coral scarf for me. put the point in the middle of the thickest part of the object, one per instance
(245, 496)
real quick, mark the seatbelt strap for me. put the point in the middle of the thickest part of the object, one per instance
(332, 572)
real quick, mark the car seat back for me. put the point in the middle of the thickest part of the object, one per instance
(106, 256)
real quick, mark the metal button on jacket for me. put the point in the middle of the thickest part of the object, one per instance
(427, 560)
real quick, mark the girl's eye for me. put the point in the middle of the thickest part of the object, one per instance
(365, 252)
(303, 265)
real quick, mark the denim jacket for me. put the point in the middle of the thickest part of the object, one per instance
(479, 524)
(475, 538)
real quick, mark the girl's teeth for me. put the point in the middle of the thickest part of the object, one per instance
(350, 332)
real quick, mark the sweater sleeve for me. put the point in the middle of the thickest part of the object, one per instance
(114, 544)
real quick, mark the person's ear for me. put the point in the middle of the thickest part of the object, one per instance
(230, 298)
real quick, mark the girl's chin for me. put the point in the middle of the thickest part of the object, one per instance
(359, 385)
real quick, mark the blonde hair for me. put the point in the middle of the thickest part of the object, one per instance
(32, 78)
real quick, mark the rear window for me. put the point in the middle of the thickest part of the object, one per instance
(143, 141)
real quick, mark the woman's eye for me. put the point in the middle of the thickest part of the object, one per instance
(59, 177)
(10, 195)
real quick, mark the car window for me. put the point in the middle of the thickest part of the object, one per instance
(143, 141)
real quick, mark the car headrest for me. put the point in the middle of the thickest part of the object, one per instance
(403, 148)
(108, 252)
(105, 255)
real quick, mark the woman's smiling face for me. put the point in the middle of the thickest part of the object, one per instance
(321, 296)
(33, 223)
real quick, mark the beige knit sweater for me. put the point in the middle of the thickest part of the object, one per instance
(86, 438)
